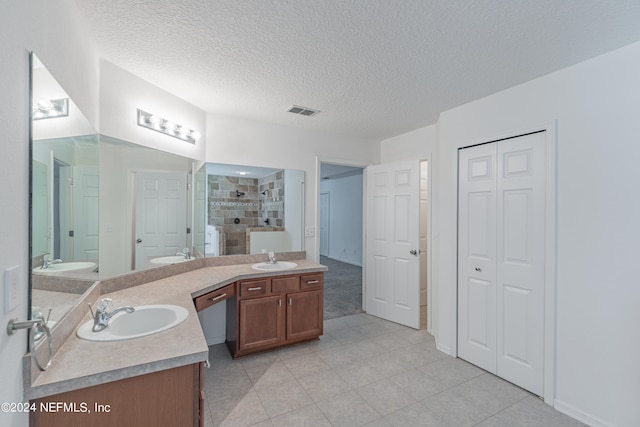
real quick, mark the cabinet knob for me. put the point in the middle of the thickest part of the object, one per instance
(478, 269)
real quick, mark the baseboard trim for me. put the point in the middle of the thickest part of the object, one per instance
(443, 348)
(579, 414)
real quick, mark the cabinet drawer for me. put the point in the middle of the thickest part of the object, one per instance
(285, 284)
(214, 297)
(311, 281)
(254, 288)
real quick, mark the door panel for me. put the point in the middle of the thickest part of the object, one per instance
(521, 253)
(392, 270)
(477, 257)
(161, 215)
(86, 186)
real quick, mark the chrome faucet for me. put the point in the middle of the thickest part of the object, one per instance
(101, 317)
(185, 253)
(46, 263)
(272, 258)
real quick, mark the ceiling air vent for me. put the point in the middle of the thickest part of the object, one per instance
(303, 111)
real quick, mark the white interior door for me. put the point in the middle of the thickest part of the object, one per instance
(392, 241)
(161, 214)
(86, 226)
(324, 223)
(501, 258)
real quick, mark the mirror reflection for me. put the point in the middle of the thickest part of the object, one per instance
(144, 207)
(64, 213)
(253, 210)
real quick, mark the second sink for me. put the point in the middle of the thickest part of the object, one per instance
(280, 265)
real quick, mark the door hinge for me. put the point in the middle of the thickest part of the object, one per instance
(70, 233)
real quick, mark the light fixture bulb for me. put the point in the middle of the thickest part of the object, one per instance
(155, 121)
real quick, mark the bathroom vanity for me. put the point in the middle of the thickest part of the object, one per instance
(270, 312)
(158, 379)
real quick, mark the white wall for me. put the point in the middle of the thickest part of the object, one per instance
(53, 32)
(598, 293)
(418, 144)
(122, 93)
(245, 142)
(345, 218)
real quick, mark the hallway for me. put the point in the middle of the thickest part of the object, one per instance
(342, 288)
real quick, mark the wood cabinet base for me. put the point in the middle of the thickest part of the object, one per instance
(165, 398)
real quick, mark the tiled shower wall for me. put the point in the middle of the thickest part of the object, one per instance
(272, 203)
(232, 214)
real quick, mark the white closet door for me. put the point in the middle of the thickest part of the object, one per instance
(501, 255)
(521, 254)
(477, 256)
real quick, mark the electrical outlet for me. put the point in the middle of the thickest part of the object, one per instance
(11, 288)
(309, 231)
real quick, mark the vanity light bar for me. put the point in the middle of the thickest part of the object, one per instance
(167, 127)
(50, 108)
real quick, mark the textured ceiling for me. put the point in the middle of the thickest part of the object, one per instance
(376, 68)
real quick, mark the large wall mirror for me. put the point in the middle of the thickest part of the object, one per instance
(103, 207)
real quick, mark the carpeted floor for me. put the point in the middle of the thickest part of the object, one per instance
(342, 288)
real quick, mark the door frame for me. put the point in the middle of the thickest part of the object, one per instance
(328, 193)
(550, 278)
(316, 220)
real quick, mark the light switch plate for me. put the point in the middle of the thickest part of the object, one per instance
(11, 288)
(309, 231)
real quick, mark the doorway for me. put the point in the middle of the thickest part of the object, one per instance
(340, 240)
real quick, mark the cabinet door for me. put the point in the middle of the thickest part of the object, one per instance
(260, 322)
(304, 315)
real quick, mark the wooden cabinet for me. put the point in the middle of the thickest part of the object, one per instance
(276, 311)
(214, 297)
(173, 397)
(260, 323)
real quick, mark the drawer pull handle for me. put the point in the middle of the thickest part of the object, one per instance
(255, 289)
(312, 282)
(218, 297)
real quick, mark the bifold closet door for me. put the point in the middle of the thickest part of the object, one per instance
(501, 258)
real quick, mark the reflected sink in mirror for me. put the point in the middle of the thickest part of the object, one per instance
(66, 267)
(146, 320)
(280, 265)
(174, 259)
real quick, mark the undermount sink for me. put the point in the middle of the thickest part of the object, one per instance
(145, 320)
(280, 265)
(74, 266)
(173, 259)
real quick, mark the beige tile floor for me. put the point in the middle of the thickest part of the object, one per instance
(365, 371)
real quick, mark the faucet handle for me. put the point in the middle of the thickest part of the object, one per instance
(105, 304)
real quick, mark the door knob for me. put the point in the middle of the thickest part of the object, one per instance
(413, 252)
(138, 240)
